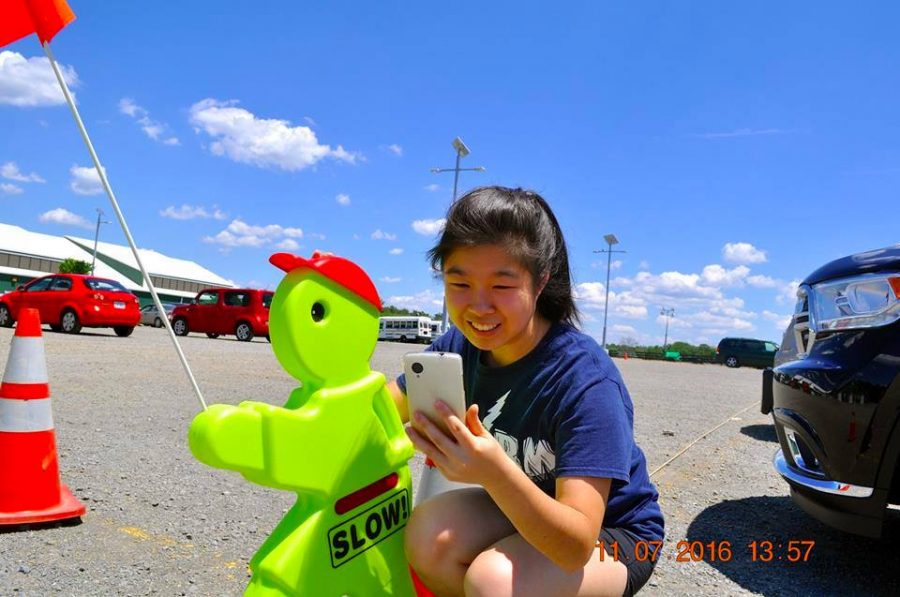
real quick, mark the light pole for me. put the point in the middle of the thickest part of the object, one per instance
(610, 241)
(97, 237)
(667, 313)
(461, 152)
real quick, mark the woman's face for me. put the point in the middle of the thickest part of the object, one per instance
(492, 299)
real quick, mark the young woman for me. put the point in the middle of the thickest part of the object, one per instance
(548, 434)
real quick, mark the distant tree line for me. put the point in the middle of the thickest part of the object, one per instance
(392, 311)
(686, 349)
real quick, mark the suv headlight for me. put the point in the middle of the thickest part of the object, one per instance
(867, 301)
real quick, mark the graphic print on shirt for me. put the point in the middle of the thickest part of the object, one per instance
(506, 441)
(538, 461)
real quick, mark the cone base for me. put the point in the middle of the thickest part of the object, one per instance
(68, 507)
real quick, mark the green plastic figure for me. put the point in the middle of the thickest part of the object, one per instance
(338, 442)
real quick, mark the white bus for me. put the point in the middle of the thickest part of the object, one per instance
(405, 329)
(436, 328)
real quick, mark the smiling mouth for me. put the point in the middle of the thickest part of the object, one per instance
(484, 327)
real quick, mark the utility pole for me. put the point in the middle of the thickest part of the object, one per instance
(461, 151)
(97, 237)
(610, 241)
(667, 313)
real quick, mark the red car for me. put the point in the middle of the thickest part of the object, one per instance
(69, 302)
(243, 312)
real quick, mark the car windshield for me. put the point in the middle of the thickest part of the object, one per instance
(267, 299)
(104, 284)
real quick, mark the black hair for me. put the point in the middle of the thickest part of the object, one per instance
(523, 223)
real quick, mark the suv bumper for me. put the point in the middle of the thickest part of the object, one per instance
(849, 508)
(836, 451)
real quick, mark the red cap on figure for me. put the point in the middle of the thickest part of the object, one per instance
(340, 270)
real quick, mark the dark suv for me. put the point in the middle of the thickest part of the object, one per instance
(215, 312)
(734, 352)
(834, 394)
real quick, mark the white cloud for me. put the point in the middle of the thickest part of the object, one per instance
(191, 212)
(762, 281)
(85, 180)
(10, 189)
(395, 149)
(780, 322)
(644, 264)
(432, 187)
(744, 132)
(243, 137)
(787, 293)
(30, 82)
(288, 244)
(342, 199)
(396, 251)
(702, 310)
(129, 108)
(151, 128)
(380, 235)
(316, 236)
(65, 217)
(427, 300)
(240, 234)
(390, 280)
(10, 171)
(429, 227)
(716, 275)
(743, 253)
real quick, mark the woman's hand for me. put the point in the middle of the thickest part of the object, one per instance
(469, 455)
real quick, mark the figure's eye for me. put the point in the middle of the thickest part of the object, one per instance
(318, 312)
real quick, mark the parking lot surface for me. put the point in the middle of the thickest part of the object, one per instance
(161, 523)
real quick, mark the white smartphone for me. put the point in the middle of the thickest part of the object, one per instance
(433, 376)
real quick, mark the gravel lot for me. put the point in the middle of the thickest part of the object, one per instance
(160, 523)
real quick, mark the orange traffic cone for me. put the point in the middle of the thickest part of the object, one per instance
(30, 490)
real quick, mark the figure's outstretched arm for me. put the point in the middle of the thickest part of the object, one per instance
(229, 437)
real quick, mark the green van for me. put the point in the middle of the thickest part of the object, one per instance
(734, 352)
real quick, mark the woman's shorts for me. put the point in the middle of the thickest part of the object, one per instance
(639, 571)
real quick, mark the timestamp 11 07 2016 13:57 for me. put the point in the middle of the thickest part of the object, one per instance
(758, 550)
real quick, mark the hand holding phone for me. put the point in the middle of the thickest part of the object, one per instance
(433, 376)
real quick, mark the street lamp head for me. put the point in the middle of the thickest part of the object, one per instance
(611, 239)
(435, 170)
(480, 168)
(460, 147)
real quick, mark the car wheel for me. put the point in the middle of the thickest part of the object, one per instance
(213, 336)
(403, 338)
(180, 327)
(69, 322)
(244, 332)
(55, 327)
(732, 362)
(123, 331)
(157, 323)
(6, 319)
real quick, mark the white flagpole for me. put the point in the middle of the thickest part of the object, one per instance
(121, 217)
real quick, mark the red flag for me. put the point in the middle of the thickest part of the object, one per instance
(19, 18)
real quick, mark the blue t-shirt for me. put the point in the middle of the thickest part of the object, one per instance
(563, 411)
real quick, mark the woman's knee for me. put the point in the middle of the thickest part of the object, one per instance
(491, 573)
(428, 539)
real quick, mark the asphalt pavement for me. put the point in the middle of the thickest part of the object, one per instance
(161, 523)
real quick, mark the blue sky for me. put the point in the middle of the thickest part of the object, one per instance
(731, 148)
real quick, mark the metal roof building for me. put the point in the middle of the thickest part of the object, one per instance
(25, 255)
